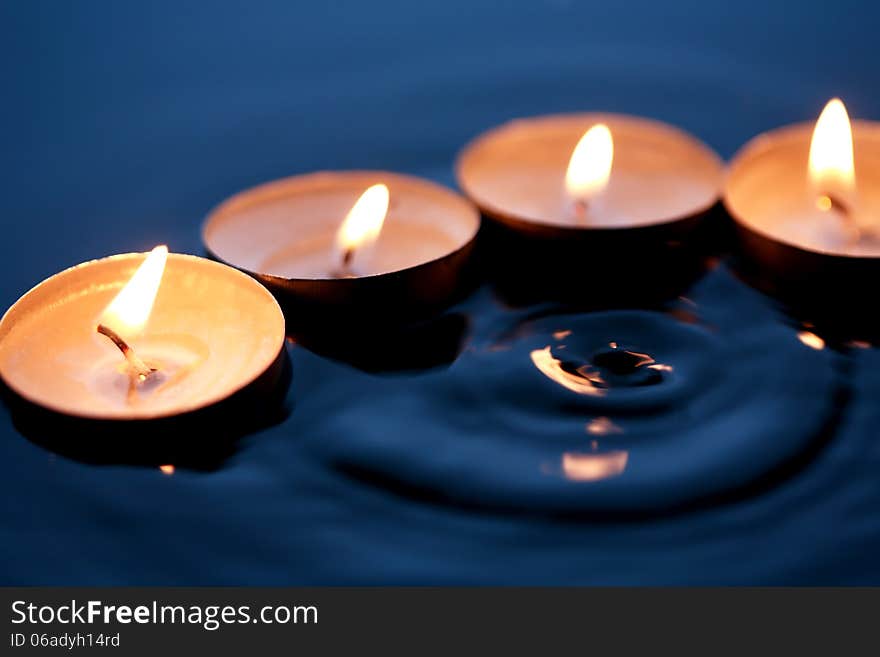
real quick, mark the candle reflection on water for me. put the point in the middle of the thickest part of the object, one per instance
(602, 426)
(605, 369)
(812, 340)
(583, 382)
(594, 467)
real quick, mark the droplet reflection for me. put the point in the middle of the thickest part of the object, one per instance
(609, 368)
(602, 426)
(553, 369)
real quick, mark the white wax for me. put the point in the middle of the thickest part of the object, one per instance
(401, 244)
(176, 357)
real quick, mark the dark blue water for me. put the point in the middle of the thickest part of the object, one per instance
(734, 454)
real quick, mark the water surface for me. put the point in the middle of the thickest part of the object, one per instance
(752, 459)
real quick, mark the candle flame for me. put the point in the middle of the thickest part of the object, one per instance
(364, 221)
(590, 166)
(129, 311)
(594, 467)
(831, 166)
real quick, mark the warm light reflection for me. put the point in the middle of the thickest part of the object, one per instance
(639, 359)
(129, 311)
(552, 369)
(590, 165)
(831, 166)
(167, 469)
(594, 467)
(812, 340)
(602, 426)
(364, 221)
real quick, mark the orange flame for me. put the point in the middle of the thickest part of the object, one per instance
(364, 221)
(590, 165)
(129, 311)
(831, 165)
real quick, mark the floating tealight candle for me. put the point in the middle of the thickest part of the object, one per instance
(591, 197)
(798, 185)
(806, 202)
(589, 172)
(347, 242)
(134, 338)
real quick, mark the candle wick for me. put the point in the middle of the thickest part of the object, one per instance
(581, 205)
(836, 204)
(137, 365)
(345, 270)
(831, 203)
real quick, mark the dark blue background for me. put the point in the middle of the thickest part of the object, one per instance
(123, 123)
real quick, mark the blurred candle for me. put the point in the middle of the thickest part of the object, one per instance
(812, 187)
(348, 241)
(585, 172)
(805, 200)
